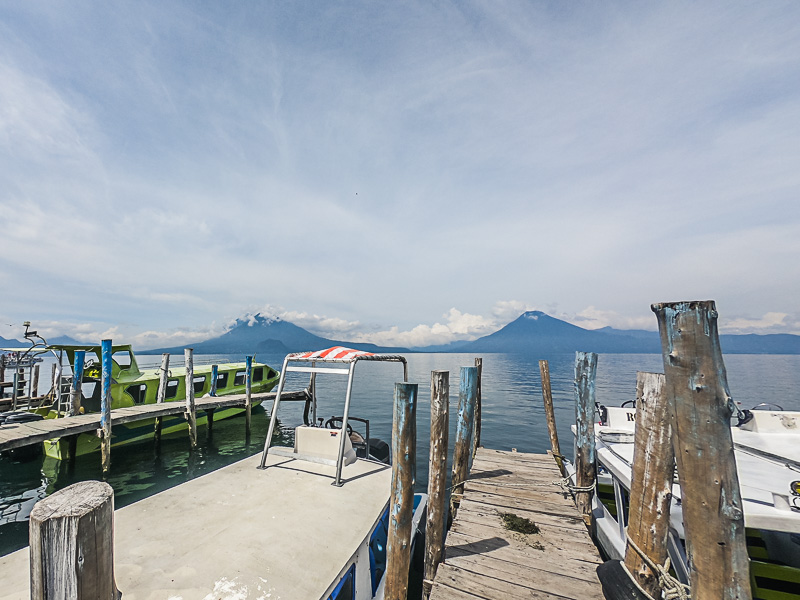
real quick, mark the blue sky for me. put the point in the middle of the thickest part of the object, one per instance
(408, 172)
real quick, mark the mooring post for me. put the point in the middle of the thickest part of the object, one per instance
(191, 415)
(550, 415)
(401, 509)
(53, 378)
(437, 477)
(651, 482)
(15, 390)
(77, 383)
(476, 437)
(2, 368)
(161, 394)
(214, 377)
(35, 382)
(585, 460)
(248, 390)
(700, 412)
(105, 405)
(72, 544)
(467, 393)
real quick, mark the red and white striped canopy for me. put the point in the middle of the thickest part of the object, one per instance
(342, 354)
(335, 353)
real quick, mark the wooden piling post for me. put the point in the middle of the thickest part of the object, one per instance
(2, 368)
(550, 415)
(248, 390)
(585, 459)
(700, 411)
(53, 379)
(35, 382)
(437, 477)
(401, 509)
(467, 394)
(163, 380)
(214, 377)
(105, 406)
(476, 437)
(191, 415)
(77, 383)
(651, 482)
(72, 545)
(15, 390)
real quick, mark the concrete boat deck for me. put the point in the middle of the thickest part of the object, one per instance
(238, 533)
(486, 561)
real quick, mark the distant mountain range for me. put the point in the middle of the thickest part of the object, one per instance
(533, 332)
(261, 334)
(537, 332)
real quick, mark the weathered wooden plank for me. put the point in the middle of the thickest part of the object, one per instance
(485, 560)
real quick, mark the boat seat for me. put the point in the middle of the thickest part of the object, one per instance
(322, 443)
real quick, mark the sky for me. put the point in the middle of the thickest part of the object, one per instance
(404, 172)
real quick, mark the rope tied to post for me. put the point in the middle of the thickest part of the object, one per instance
(567, 487)
(672, 587)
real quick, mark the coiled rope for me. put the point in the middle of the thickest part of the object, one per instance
(672, 587)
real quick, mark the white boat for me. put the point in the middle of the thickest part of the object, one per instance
(333, 458)
(767, 450)
(311, 525)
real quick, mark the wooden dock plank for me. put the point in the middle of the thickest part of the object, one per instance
(16, 435)
(485, 560)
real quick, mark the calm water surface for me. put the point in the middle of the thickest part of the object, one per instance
(513, 417)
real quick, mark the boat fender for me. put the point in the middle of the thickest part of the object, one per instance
(22, 417)
(618, 584)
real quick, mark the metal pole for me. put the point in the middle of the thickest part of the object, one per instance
(340, 460)
(274, 417)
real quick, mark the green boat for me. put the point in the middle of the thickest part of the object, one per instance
(131, 386)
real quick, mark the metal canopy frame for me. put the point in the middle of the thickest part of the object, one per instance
(337, 355)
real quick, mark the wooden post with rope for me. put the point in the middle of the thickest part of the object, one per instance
(550, 415)
(700, 411)
(585, 459)
(437, 477)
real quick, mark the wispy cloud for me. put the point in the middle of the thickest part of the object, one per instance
(164, 165)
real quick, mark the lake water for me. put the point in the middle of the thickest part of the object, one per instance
(513, 417)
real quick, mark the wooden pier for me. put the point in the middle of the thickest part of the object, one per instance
(486, 560)
(16, 435)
